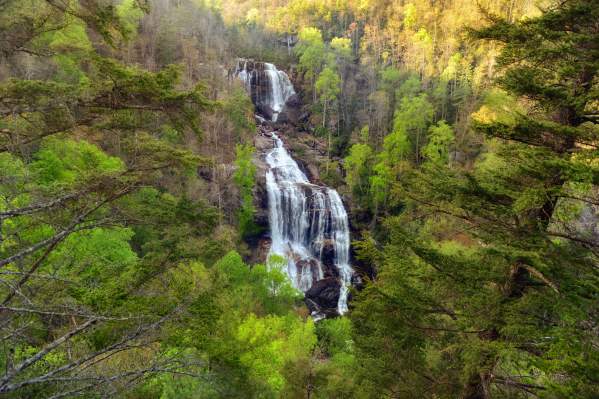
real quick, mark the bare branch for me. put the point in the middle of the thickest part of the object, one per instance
(91, 357)
(39, 355)
(39, 207)
(74, 226)
(66, 314)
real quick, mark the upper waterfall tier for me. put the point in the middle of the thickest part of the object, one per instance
(309, 226)
(269, 88)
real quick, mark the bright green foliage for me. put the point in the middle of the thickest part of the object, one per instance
(392, 160)
(341, 46)
(336, 376)
(380, 183)
(310, 36)
(69, 44)
(327, 85)
(335, 336)
(498, 106)
(479, 275)
(67, 162)
(327, 88)
(245, 180)
(84, 251)
(269, 344)
(258, 289)
(365, 134)
(396, 146)
(311, 51)
(102, 260)
(408, 89)
(440, 137)
(72, 38)
(242, 319)
(412, 118)
(130, 15)
(357, 168)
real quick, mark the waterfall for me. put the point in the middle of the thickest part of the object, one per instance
(308, 223)
(269, 88)
(306, 220)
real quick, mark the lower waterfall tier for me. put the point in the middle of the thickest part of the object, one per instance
(309, 227)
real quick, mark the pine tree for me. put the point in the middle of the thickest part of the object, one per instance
(484, 288)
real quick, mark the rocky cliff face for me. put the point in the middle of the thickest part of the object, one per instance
(270, 89)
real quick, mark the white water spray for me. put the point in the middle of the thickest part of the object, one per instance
(276, 84)
(304, 218)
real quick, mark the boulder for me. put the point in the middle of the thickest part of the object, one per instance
(325, 293)
(293, 101)
(263, 143)
(264, 109)
(291, 112)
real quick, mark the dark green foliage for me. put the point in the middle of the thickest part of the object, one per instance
(245, 179)
(480, 292)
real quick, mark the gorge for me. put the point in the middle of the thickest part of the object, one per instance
(299, 199)
(308, 223)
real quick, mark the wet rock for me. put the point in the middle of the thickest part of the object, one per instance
(270, 89)
(292, 111)
(260, 251)
(310, 263)
(328, 256)
(265, 110)
(260, 120)
(310, 170)
(325, 293)
(263, 143)
(282, 117)
(293, 101)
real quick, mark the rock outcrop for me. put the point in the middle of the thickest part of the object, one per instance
(271, 91)
(323, 296)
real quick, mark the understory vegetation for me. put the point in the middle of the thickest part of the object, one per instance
(463, 136)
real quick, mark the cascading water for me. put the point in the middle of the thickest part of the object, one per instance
(308, 223)
(269, 88)
(304, 219)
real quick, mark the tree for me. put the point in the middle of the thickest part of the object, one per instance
(439, 139)
(78, 242)
(358, 166)
(413, 117)
(486, 295)
(327, 87)
(245, 179)
(341, 46)
(312, 53)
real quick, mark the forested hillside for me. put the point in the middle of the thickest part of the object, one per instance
(299, 199)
